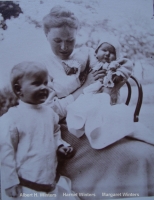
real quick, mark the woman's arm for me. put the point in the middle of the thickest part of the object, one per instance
(90, 79)
(60, 105)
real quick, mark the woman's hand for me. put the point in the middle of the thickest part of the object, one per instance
(90, 79)
(99, 75)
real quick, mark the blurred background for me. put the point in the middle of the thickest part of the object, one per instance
(132, 21)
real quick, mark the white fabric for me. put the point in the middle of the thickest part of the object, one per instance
(102, 123)
(64, 84)
(98, 65)
(59, 105)
(93, 114)
(30, 137)
(93, 88)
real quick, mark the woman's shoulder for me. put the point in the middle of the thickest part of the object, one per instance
(81, 54)
(45, 58)
(83, 50)
(50, 62)
(86, 52)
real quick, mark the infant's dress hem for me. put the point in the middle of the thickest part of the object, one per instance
(102, 123)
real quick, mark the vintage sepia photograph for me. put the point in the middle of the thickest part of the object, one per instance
(76, 99)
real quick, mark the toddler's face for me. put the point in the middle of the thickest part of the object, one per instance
(34, 89)
(106, 53)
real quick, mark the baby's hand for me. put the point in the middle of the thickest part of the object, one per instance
(114, 65)
(14, 191)
(65, 152)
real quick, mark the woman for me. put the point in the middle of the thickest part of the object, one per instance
(124, 168)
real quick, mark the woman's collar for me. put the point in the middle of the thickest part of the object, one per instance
(70, 56)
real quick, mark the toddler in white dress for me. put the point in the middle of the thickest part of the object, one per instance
(32, 140)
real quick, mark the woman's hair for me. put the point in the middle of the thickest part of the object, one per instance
(59, 16)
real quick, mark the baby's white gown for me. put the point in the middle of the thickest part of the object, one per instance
(103, 123)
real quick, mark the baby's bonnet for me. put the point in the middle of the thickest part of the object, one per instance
(113, 40)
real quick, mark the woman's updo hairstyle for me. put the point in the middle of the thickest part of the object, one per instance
(59, 16)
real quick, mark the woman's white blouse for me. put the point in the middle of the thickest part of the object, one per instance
(62, 85)
(60, 82)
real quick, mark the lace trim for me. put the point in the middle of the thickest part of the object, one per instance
(72, 63)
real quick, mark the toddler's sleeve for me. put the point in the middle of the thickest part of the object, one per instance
(57, 133)
(9, 145)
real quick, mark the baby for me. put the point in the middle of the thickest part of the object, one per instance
(92, 113)
(108, 58)
(32, 138)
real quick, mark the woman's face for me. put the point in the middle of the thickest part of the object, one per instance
(62, 41)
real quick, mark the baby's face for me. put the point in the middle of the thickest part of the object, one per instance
(106, 53)
(34, 89)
